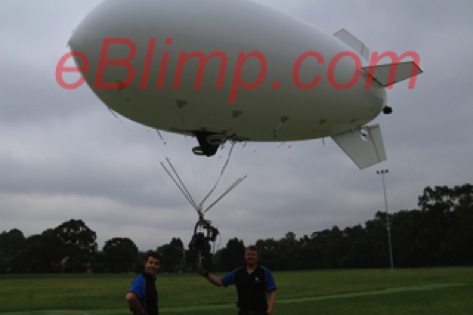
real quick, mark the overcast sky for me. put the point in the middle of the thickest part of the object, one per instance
(64, 156)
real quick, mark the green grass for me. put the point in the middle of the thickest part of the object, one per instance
(405, 291)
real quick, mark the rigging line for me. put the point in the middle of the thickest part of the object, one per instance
(162, 146)
(196, 182)
(220, 177)
(281, 144)
(236, 183)
(113, 113)
(228, 158)
(180, 105)
(273, 153)
(180, 188)
(256, 155)
(167, 171)
(253, 155)
(155, 141)
(232, 168)
(183, 186)
(128, 129)
(159, 143)
(161, 136)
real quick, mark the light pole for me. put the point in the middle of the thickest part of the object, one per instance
(388, 224)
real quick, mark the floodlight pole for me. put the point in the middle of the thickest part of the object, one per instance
(388, 224)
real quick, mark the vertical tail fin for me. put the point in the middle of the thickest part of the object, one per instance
(353, 42)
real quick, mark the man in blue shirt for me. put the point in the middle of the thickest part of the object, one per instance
(256, 288)
(143, 296)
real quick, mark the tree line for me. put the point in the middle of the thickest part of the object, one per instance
(438, 233)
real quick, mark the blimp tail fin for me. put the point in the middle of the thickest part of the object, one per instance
(392, 73)
(353, 42)
(365, 147)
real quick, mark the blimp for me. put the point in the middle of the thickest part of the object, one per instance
(237, 71)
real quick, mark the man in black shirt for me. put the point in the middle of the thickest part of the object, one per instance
(256, 288)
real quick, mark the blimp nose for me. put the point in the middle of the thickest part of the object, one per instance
(116, 27)
(85, 38)
(97, 35)
(121, 18)
(101, 20)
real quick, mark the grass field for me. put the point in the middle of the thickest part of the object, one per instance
(335, 292)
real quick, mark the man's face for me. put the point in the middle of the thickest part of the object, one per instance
(251, 257)
(152, 265)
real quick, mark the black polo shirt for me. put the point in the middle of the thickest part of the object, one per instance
(251, 288)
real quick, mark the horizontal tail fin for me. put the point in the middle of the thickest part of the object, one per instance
(389, 74)
(385, 75)
(365, 147)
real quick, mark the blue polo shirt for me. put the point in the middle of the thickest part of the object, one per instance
(145, 289)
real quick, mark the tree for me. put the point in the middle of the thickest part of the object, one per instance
(439, 232)
(267, 252)
(458, 246)
(232, 256)
(357, 250)
(78, 245)
(11, 244)
(377, 255)
(120, 255)
(408, 251)
(39, 254)
(438, 206)
(287, 252)
(172, 256)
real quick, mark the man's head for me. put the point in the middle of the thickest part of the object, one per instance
(152, 263)
(251, 256)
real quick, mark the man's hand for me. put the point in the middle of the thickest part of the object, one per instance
(134, 303)
(212, 279)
